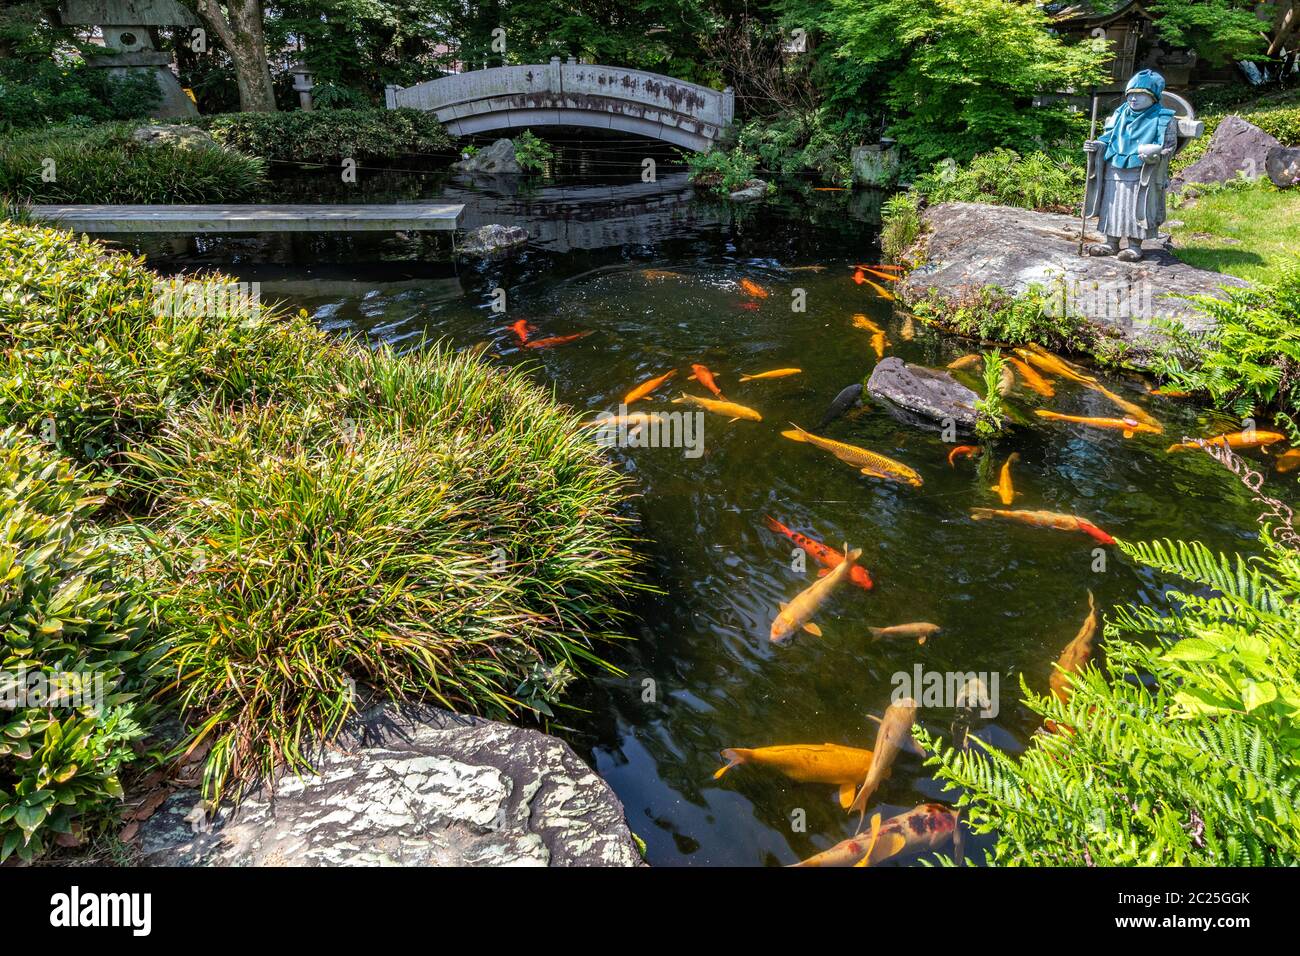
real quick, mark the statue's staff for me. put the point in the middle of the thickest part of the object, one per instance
(1083, 208)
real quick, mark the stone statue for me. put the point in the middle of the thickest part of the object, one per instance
(1128, 169)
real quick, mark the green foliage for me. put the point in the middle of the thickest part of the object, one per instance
(1220, 31)
(532, 154)
(39, 94)
(723, 171)
(1186, 754)
(71, 652)
(1005, 178)
(103, 164)
(328, 136)
(988, 409)
(1250, 361)
(797, 143)
(900, 224)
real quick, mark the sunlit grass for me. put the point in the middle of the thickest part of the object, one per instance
(1247, 232)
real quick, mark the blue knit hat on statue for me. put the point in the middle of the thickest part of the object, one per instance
(1148, 81)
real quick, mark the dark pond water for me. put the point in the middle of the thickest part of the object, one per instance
(1008, 597)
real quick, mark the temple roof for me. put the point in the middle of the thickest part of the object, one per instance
(1082, 15)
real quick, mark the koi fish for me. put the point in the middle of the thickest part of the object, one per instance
(1045, 519)
(867, 462)
(658, 274)
(964, 451)
(894, 734)
(1006, 491)
(807, 763)
(927, 827)
(846, 399)
(477, 349)
(879, 274)
(1168, 392)
(1288, 461)
(908, 331)
(775, 373)
(1076, 654)
(753, 289)
(805, 268)
(860, 321)
(798, 613)
(728, 409)
(966, 361)
(828, 189)
(1056, 365)
(522, 330)
(1248, 439)
(556, 340)
(878, 343)
(860, 278)
(1128, 427)
(646, 387)
(628, 420)
(701, 374)
(1006, 381)
(920, 630)
(828, 557)
(1035, 381)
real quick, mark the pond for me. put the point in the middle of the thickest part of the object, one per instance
(651, 275)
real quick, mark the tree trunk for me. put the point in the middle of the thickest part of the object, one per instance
(241, 32)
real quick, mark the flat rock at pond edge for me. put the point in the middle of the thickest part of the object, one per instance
(412, 786)
(925, 392)
(968, 246)
(493, 239)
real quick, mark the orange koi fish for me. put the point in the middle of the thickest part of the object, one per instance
(886, 266)
(826, 556)
(659, 274)
(860, 278)
(966, 361)
(522, 330)
(908, 331)
(556, 340)
(860, 321)
(1076, 654)
(775, 373)
(1247, 439)
(927, 827)
(1045, 519)
(895, 733)
(798, 614)
(1288, 461)
(1168, 392)
(963, 451)
(646, 387)
(878, 343)
(727, 409)
(889, 276)
(1005, 489)
(1128, 427)
(1035, 381)
(701, 374)
(867, 462)
(1055, 365)
(753, 289)
(807, 763)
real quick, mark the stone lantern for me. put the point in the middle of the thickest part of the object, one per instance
(128, 45)
(302, 83)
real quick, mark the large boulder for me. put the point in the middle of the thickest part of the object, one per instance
(924, 394)
(495, 160)
(412, 787)
(174, 134)
(1237, 147)
(751, 191)
(1283, 166)
(493, 240)
(970, 246)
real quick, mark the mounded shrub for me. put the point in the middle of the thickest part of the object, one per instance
(328, 136)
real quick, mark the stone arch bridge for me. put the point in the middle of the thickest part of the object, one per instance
(573, 94)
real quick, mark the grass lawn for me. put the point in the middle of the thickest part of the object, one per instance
(1247, 232)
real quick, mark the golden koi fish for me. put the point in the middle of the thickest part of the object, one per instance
(1005, 489)
(918, 629)
(860, 321)
(867, 462)
(798, 613)
(728, 409)
(658, 274)
(1076, 654)
(808, 763)
(1006, 381)
(1128, 427)
(894, 734)
(1247, 439)
(1056, 365)
(966, 361)
(1035, 381)
(629, 420)
(1288, 460)
(908, 331)
(775, 373)
(878, 343)
(1045, 519)
(646, 387)
(927, 827)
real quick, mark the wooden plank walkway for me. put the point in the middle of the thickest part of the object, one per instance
(410, 217)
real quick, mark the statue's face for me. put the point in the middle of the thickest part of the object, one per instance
(1140, 101)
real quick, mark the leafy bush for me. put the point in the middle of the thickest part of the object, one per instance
(532, 154)
(1250, 361)
(40, 94)
(799, 143)
(1186, 754)
(988, 409)
(329, 136)
(723, 171)
(1005, 178)
(900, 224)
(71, 652)
(103, 164)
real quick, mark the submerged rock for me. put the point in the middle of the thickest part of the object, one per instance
(923, 392)
(1237, 147)
(493, 239)
(752, 191)
(495, 160)
(411, 787)
(969, 246)
(1283, 166)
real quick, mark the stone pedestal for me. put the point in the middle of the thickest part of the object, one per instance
(875, 165)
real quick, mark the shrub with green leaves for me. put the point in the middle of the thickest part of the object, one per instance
(531, 153)
(1186, 753)
(330, 135)
(36, 94)
(1250, 361)
(988, 409)
(900, 224)
(723, 171)
(72, 652)
(1004, 177)
(103, 164)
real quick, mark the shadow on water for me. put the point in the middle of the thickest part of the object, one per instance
(653, 273)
